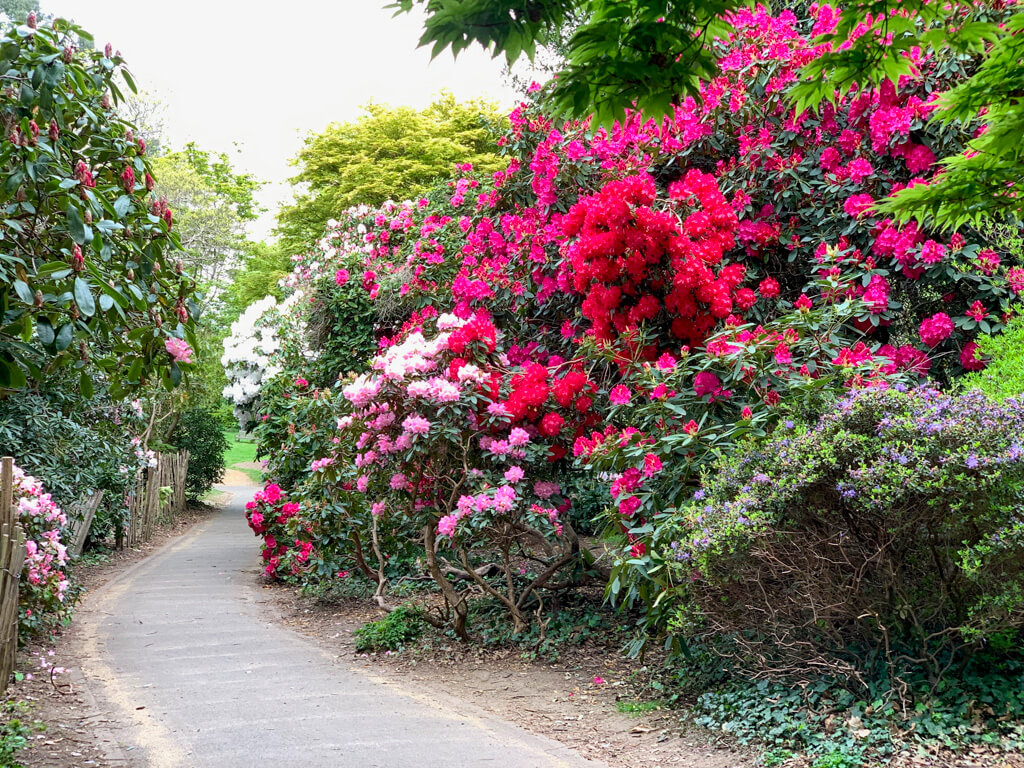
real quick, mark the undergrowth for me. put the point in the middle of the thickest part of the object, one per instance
(836, 724)
(390, 633)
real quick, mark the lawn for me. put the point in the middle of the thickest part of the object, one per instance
(241, 452)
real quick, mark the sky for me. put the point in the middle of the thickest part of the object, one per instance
(251, 78)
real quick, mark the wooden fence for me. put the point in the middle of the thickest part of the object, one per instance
(144, 504)
(12, 558)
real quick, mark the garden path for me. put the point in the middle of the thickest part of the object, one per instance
(186, 648)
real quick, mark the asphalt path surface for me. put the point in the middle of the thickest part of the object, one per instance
(187, 651)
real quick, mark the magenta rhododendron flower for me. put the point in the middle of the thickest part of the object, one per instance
(620, 395)
(936, 329)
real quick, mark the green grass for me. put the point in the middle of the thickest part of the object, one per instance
(241, 451)
(637, 707)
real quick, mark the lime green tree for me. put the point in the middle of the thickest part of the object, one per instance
(90, 270)
(388, 153)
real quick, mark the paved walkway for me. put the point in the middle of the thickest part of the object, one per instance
(185, 647)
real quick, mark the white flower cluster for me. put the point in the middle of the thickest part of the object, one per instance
(250, 355)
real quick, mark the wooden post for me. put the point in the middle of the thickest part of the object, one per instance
(12, 559)
(7, 490)
(81, 521)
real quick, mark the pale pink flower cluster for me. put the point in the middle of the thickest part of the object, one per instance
(502, 500)
(42, 519)
(179, 350)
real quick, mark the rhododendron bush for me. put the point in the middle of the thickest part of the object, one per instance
(44, 596)
(623, 306)
(449, 441)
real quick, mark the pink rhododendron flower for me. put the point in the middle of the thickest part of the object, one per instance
(179, 350)
(620, 395)
(936, 329)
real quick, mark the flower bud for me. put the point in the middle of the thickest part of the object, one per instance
(142, 146)
(129, 136)
(83, 351)
(150, 183)
(87, 216)
(156, 267)
(30, 22)
(128, 179)
(69, 54)
(33, 128)
(54, 131)
(105, 101)
(77, 259)
(108, 51)
(37, 300)
(131, 275)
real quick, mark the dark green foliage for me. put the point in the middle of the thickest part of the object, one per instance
(201, 433)
(836, 720)
(87, 272)
(391, 633)
(342, 330)
(14, 732)
(73, 446)
(649, 51)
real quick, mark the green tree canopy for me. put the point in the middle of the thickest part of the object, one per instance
(651, 54)
(212, 203)
(388, 153)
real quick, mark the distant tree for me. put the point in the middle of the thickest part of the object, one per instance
(388, 153)
(256, 275)
(147, 114)
(18, 10)
(212, 203)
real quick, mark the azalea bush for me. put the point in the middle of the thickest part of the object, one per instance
(455, 448)
(886, 534)
(45, 597)
(286, 542)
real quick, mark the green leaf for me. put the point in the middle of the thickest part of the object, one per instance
(64, 336)
(45, 331)
(121, 205)
(24, 292)
(85, 385)
(76, 224)
(83, 297)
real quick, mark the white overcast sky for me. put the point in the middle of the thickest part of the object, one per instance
(262, 74)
